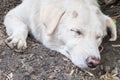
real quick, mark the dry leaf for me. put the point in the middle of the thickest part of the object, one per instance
(110, 76)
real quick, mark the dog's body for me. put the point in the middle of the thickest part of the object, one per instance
(74, 28)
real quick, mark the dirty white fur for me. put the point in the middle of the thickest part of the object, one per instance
(74, 28)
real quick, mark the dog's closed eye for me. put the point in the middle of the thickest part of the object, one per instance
(77, 31)
(98, 37)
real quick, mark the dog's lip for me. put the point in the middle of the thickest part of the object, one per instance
(68, 52)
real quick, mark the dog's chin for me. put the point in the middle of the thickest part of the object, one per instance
(86, 68)
(90, 68)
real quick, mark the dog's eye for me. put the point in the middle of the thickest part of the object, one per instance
(98, 37)
(77, 31)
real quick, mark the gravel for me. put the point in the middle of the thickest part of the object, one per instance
(40, 63)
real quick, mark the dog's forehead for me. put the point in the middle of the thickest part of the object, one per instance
(83, 16)
(76, 21)
(85, 20)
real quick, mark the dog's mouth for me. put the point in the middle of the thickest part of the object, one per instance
(67, 52)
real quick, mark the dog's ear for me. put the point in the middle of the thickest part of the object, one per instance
(51, 17)
(112, 27)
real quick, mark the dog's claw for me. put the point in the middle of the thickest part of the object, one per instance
(15, 42)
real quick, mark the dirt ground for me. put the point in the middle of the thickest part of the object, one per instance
(40, 63)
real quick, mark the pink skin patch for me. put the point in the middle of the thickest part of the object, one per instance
(75, 14)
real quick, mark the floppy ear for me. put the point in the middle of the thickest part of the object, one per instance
(51, 16)
(112, 26)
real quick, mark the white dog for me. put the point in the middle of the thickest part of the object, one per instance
(74, 28)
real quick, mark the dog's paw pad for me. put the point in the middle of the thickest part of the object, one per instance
(15, 42)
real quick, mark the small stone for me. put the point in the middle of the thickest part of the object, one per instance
(101, 67)
(118, 61)
(115, 71)
(110, 1)
(0, 60)
(3, 53)
(107, 68)
(34, 77)
(1, 42)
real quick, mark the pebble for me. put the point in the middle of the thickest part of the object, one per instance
(101, 67)
(1, 42)
(110, 1)
(0, 60)
(118, 61)
(107, 68)
(3, 53)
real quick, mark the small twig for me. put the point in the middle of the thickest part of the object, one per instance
(91, 74)
(116, 17)
(118, 45)
(9, 76)
(71, 73)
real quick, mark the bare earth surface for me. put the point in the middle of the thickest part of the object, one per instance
(40, 63)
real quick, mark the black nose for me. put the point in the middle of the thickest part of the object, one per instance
(92, 62)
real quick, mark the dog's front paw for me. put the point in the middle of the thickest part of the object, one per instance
(16, 42)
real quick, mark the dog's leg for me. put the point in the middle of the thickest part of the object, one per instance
(17, 31)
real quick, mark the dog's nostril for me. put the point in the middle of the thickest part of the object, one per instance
(92, 62)
(91, 65)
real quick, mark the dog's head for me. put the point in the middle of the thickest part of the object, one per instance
(80, 31)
